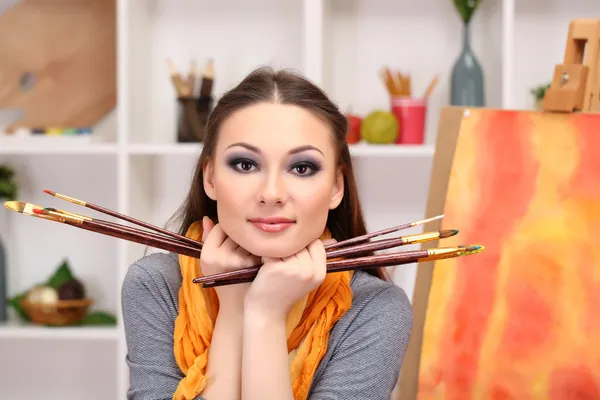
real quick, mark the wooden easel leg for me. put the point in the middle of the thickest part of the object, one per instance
(448, 131)
(584, 38)
(593, 55)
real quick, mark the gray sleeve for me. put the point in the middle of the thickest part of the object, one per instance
(148, 319)
(366, 364)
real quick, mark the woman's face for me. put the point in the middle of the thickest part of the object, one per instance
(274, 178)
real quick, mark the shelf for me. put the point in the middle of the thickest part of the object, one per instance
(165, 149)
(359, 149)
(59, 369)
(391, 150)
(54, 145)
(18, 330)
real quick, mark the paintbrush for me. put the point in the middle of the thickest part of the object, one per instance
(115, 214)
(109, 229)
(194, 243)
(377, 261)
(167, 243)
(247, 274)
(364, 238)
(355, 250)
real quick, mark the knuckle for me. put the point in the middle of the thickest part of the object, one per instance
(206, 259)
(238, 262)
(307, 274)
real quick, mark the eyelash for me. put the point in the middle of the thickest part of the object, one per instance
(236, 165)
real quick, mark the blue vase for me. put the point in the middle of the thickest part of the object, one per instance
(466, 88)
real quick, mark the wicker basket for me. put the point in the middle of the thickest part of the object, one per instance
(63, 312)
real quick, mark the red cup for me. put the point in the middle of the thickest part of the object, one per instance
(411, 113)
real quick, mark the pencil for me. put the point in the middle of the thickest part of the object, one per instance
(208, 77)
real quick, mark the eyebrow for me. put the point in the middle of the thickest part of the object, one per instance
(293, 151)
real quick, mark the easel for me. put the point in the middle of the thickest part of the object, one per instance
(574, 88)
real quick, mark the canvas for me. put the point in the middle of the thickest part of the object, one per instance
(520, 320)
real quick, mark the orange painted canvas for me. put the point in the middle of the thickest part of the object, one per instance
(522, 319)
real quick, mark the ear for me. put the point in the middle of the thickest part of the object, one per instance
(208, 173)
(337, 192)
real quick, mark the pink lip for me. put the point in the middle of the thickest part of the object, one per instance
(272, 224)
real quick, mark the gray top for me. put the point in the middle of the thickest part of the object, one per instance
(363, 358)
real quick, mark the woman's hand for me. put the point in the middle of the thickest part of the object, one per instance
(282, 282)
(221, 254)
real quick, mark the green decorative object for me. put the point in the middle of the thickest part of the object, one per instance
(539, 92)
(8, 184)
(467, 78)
(379, 127)
(8, 192)
(466, 9)
(62, 275)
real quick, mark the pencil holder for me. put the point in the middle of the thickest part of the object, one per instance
(204, 105)
(192, 114)
(411, 113)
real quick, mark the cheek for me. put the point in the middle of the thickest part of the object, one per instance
(312, 198)
(231, 195)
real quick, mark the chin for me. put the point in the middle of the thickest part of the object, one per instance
(273, 249)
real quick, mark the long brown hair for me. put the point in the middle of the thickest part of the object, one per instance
(285, 87)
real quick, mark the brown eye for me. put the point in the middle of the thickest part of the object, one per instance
(305, 169)
(301, 169)
(243, 165)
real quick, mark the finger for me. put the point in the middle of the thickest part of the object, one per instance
(229, 245)
(303, 256)
(247, 259)
(303, 266)
(207, 225)
(329, 241)
(270, 260)
(316, 249)
(215, 238)
(318, 257)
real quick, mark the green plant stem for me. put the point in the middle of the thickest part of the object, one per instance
(466, 9)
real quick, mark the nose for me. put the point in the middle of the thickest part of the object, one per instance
(272, 190)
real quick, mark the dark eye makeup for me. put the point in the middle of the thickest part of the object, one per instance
(241, 163)
(301, 166)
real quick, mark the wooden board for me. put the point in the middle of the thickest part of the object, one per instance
(517, 321)
(69, 48)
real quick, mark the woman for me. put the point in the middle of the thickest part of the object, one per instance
(273, 184)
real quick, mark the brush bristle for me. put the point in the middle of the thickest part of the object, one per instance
(17, 206)
(476, 248)
(448, 232)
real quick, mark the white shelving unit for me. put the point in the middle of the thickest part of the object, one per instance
(132, 163)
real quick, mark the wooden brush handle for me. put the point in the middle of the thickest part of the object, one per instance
(384, 260)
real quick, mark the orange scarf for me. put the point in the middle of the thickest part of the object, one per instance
(308, 325)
